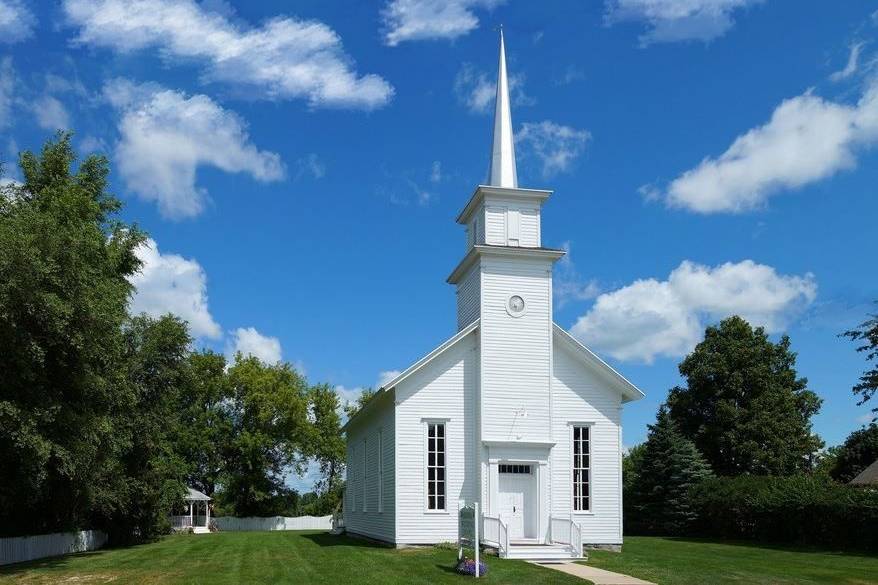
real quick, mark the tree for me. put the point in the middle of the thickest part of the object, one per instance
(867, 334)
(327, 443)
(352, 408)
(150, 472)
(267, 407)
(65, 262)
(665, 469)
(857, 452)
(744, 406)
(205, 426)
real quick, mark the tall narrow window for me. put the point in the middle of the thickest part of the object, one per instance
(435, 466)
(364, 475)
(581, 469)
(380, 471)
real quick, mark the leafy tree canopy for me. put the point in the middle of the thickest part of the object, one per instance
(743, 405)
(858, 451)
(867, 336)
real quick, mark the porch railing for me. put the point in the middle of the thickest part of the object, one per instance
(495, 533)
(566, 531)
(178, 522)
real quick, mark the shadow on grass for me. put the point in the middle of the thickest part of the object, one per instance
(326, 539)
(46, 563)
(755, 544)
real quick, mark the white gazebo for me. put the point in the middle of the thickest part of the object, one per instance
(199, 513)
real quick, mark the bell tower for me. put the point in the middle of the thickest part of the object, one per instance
(505, 279)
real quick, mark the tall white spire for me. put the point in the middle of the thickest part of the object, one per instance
(503, 173)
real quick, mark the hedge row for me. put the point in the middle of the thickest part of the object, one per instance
(801, 510)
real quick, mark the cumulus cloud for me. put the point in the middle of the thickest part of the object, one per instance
(807, 139)
(651, 318)
(554, 146)
(169, 283)
(284, 58)
(476, 89)
(165, 136)
(17, 22)
(414, 20)
(676, 20)
(387, 376)
(50, 113)
(250, 342)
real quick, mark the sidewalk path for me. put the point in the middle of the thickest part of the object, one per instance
(595, 575)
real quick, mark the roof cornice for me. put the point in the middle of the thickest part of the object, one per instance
(508, 192)
(500, 251)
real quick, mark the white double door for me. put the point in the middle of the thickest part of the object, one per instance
(518, 504)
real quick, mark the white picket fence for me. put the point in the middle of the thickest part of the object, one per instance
(232, 524)
(29, 548)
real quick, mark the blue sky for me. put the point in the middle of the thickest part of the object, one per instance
(298, 167)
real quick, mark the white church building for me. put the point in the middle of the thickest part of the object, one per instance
(511, 412)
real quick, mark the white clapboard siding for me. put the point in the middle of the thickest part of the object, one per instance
(581, 395)
(29, 548)
(468, 297)
(232, 524)
(444, 391)
(364, 433)
(495, 226)
(515, 352)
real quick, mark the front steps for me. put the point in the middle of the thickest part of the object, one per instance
(558, 553)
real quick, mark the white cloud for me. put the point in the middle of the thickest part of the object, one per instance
(17, 22)
(476, 89)
(310, 165)
(851, 67)
(386, 377)
(807, 139)
(677, 20)
(568, 285)
(51, 113)
(414, 20)
(651, 318)
(553, 145)
(169, 283)
(7, 90)
(249, 342)
(285, 58)
(166, 136)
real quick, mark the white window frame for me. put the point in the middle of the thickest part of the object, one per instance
(380, 471)
(426, 500)
(589, 426)
(363, 475)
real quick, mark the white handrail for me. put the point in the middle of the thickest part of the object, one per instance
(571, 535)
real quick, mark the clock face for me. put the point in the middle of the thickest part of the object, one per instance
(516, 304)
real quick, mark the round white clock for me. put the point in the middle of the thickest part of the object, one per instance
(515, 306)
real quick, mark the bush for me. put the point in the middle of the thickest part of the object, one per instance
(468, 567)
(809, 510)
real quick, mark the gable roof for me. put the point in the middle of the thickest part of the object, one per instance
(415, 367)
(868, 476)
(628, 390)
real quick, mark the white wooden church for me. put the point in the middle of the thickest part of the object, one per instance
(511, 412)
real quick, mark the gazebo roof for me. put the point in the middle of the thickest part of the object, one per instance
(195, 495)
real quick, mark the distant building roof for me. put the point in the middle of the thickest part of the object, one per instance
(868, 476)
(196, 495)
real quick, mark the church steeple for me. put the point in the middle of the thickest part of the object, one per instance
(503, 173)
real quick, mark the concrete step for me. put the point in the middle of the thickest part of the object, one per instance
(542, 552)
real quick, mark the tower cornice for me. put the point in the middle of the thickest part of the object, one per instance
(507, 192)
(481, 250)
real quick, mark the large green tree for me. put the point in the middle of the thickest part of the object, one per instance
(867, 337)
(744, 406)
(268, 409)
(327, 445)
(661, 474)
(857, 452)
(65, 261)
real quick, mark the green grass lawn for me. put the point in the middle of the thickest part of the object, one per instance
(268, 557)
(670, 561)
